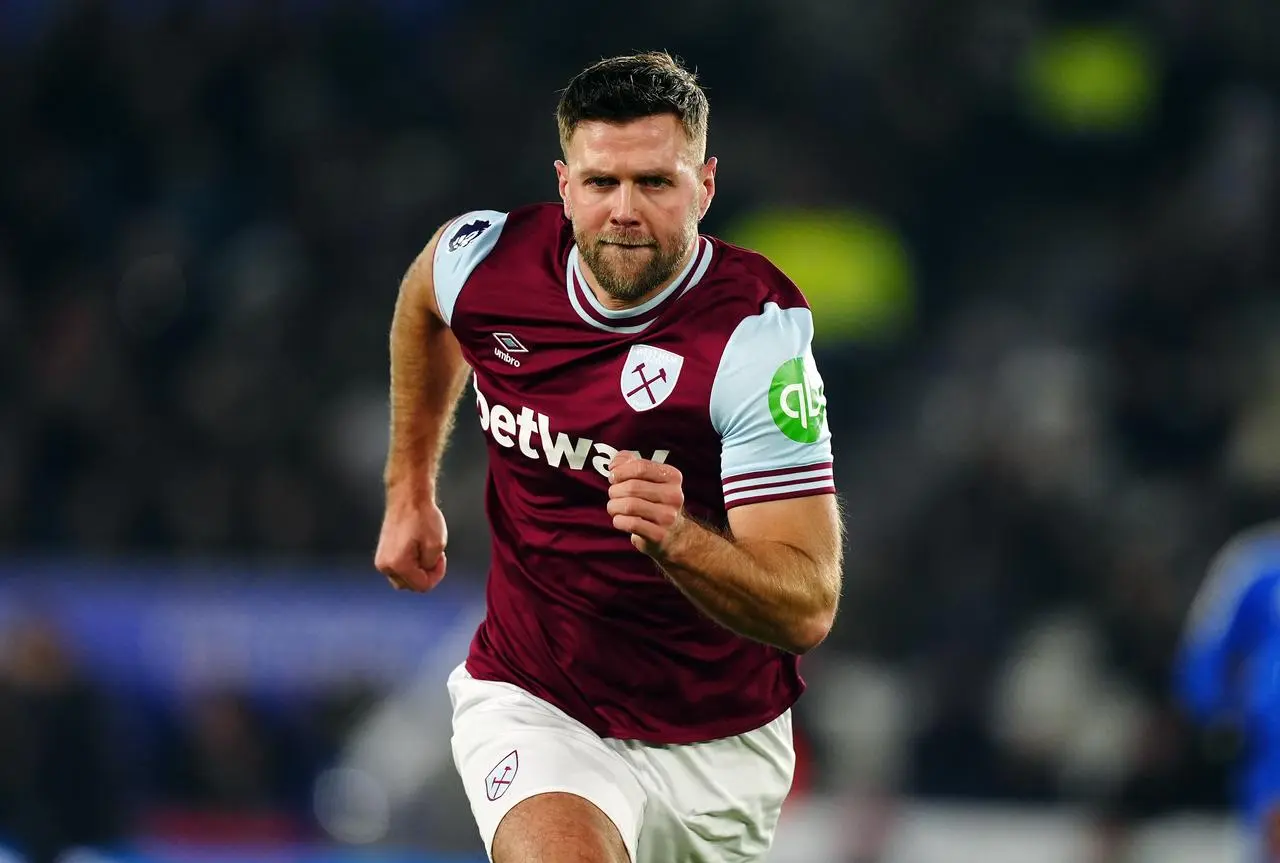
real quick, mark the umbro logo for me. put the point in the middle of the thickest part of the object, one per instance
(509, 345)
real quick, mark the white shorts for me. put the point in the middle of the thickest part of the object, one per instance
(717, 801)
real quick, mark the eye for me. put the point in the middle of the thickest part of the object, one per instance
(655, 182)
(600, 182)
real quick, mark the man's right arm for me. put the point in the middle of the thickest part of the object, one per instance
(428, 374)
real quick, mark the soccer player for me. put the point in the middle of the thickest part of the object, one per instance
(665, 535)
(1228, 672)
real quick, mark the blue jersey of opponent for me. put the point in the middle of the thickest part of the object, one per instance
(1228, 665)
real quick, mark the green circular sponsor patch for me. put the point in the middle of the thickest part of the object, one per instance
(797, 402)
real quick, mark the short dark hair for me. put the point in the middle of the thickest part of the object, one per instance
(621, 89)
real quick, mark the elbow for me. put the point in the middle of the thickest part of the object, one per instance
(812, 629)
(811, 612)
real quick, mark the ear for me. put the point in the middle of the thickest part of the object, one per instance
(708, 186)
(562, 180)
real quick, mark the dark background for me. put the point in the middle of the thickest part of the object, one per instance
(1041, 239)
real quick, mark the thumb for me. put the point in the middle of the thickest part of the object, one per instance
(622, 458)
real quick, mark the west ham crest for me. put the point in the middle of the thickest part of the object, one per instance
(649, 375)
(500, 777)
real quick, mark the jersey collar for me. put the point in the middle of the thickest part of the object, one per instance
(632, 320)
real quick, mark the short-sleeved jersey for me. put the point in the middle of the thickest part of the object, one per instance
(714, 376)
(1227, 667)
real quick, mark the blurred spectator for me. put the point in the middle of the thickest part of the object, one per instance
(223, 759)
(224, 773)
(58, 788)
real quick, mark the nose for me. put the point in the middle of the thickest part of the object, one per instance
(624, 213)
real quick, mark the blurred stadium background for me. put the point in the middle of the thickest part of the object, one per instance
(1041, 242)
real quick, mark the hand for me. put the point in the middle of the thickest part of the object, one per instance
(646, 500)
(411, 545)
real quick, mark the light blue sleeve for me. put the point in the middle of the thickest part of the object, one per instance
(770, 408)
(463, 245)
(1228, 619)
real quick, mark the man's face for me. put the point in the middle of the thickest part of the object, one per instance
(634, 192)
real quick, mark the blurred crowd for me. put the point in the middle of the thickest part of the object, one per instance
(207, 208)
(83, 765)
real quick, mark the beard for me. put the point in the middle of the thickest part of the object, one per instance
(627, 265)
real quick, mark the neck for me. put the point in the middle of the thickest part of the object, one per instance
(613, 304)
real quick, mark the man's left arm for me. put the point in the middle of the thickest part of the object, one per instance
(775, 578)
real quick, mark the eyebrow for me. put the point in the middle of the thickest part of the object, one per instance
(649, 173)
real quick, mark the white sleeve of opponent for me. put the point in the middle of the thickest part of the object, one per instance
(768, 405)
(463, 245)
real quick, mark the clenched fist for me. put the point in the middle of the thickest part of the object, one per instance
(411, 545)
(646, 500)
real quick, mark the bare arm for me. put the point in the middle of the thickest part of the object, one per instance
(428, 374)
(775, 579)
